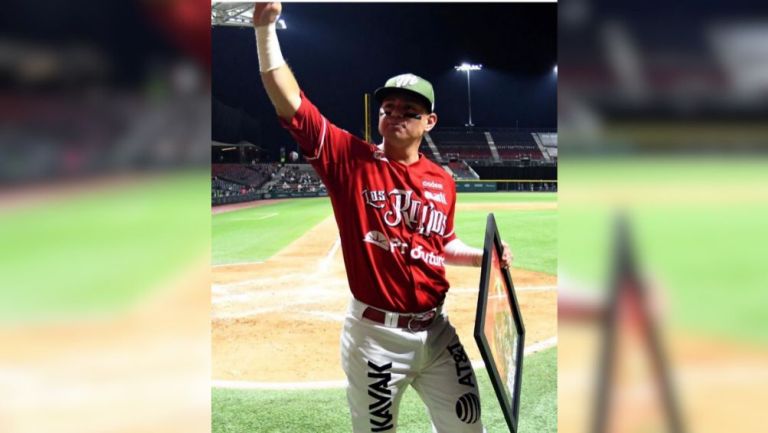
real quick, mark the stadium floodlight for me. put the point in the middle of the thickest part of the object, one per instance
(468, 68)
(236, 13)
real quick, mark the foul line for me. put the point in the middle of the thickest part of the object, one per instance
(517, 289)
(237, 264)
(326, 384)
(269, 215)
(323, 264)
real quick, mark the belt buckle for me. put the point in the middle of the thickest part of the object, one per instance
(416, 322)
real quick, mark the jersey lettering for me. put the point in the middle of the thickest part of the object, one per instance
(384, 212)
(404, 209)
(374, 198)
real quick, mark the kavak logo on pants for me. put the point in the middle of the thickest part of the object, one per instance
(381, 417)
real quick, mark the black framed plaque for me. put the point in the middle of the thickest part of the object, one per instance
(499, 330)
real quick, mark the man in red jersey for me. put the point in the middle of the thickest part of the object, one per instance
(394, 209)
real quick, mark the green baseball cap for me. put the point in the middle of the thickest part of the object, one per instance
(408, 83)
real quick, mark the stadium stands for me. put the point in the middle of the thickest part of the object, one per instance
(516, 145)
(489, 145)
(549, 143)
(224, 188)
(295, 178)
(253, 175)
(520, 160)
(460, 170)
(461, 144)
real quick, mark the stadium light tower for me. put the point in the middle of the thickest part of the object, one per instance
(468, 68)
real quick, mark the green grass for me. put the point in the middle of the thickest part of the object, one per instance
(662, 170)
(713, 260)
(698, 230)
(100, 250)
(326, 411)
(506, 197)
(256, 234)
(531, 234)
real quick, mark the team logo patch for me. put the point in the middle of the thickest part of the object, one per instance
(405, 80)
(378, 239)
(438, 197)
(432, 184)
(468, 408)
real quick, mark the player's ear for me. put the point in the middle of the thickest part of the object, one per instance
(431, 121)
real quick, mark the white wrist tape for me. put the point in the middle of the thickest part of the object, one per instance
(268, 48)
(458, 253)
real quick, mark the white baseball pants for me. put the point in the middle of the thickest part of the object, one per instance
(381, 362)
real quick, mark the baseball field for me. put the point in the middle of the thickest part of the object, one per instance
(698, 230)
(279, 295)
(93, 324)
(104, 301)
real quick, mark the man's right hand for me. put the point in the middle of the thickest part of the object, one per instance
(278, 80)
(266, 13)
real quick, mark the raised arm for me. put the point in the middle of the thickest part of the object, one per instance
(279, 82)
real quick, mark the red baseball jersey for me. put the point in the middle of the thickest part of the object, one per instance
(394, 219)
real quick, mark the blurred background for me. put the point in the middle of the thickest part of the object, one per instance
(104, 216)
(105, 213)
(662, 120)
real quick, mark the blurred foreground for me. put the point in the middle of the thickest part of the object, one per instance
(104, 214)
(662, 120)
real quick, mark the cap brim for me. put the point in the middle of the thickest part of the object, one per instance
(382, 92)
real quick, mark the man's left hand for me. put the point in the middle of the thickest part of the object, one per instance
(506, 256)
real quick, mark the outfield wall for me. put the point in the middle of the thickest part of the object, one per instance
(216, 201)
(516, 172)
(494, 185)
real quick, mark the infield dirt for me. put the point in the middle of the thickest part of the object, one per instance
(280, 320)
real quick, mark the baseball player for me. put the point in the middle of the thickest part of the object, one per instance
(394, 209)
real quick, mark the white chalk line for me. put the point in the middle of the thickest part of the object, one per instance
(310, 296)
(255, 218)
(322, 267)
(326, 261)
(335, 317)
(517, 289)
(258, 311)
(329, 384)
(277, 308)
(223, 288)
(223, 295)
(237, 264)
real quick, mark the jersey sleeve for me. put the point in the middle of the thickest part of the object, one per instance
(326, 146)
(450, 232)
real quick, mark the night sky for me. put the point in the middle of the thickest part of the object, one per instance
(341, 51)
